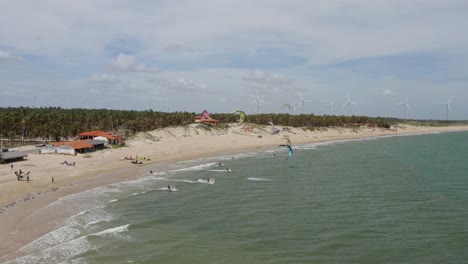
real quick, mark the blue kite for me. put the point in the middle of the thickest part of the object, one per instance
(290, 150)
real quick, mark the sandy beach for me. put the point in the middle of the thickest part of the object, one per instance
(20, 199)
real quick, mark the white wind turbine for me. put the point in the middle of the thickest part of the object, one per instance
(348, 103)
(406, 106)
(301, 103)
(330, 104)
(448, 108)
(258, 102)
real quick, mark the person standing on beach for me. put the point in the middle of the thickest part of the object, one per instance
(52, 178)
(27, 178)
(12, 166)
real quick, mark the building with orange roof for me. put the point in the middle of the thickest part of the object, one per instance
(66, 147)
(111, 139)
(208, 121)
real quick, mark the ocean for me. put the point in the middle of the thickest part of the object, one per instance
(401, 199)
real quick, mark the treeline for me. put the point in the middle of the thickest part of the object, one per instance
(307, 120)
(55, 123)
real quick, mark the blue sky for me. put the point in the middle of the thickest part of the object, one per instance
(217, 54)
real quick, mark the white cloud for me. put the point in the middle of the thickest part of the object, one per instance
(389, 92)
(181, 85)
(5, 56)
(177, 48)
(260, 77)
(104, 78)
(188, 86)
(129, 63)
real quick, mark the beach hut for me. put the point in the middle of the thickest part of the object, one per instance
(98, 144)
(79, 146)
(66, 150)
(48, 149)
(11, 156)
(111, 139)
(207, 121)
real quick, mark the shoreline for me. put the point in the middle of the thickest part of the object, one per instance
(162, 147)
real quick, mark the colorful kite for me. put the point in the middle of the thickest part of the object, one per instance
(288, 141)
(274, 130)
(290, 151)
(205, 115)
(241, 116)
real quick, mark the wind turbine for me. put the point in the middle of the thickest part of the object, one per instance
(348, 103)
(330, 104)
(258, 102)
(301, 103)
(343, 112)
(405, 105)
(448, 108)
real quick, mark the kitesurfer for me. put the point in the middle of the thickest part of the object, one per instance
(169, 187)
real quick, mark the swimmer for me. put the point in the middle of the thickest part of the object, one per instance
(228, 170)
(169, 187)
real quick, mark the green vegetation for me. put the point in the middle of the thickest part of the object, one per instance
(55, 124)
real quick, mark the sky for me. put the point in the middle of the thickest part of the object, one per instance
(188, 55)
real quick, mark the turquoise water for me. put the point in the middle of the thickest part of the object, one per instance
(386, 200)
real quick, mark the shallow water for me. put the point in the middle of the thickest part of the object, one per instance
(386, 200)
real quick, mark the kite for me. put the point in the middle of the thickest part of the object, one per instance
(241, 116)
(290, 151)
(274, 130)
(205, 115)
(287, 106)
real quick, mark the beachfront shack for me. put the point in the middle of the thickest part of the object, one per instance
(208, 121)
(111, 139)
(12, 156)
(68, 147)
(97, 143)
